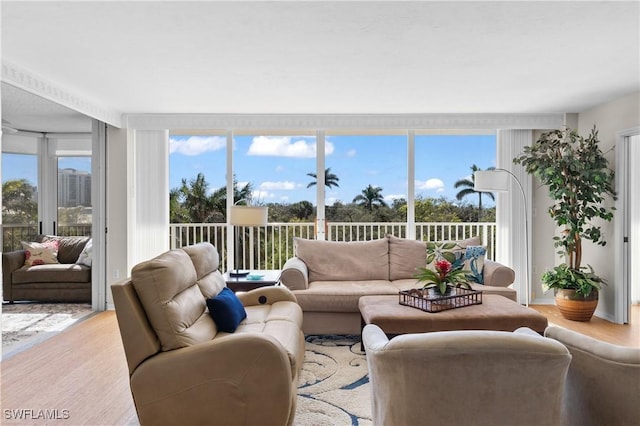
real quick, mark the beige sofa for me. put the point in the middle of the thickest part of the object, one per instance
(183, 369)
(65, 281)
(328, 278)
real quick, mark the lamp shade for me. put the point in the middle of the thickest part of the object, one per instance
(491, 181)
(248, 216)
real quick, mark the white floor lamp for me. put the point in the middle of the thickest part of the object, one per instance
(245, 216)
(497, 180)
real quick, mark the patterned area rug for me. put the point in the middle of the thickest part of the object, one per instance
(334, 385)
(26, 324)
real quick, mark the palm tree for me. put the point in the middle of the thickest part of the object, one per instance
(371, 197)
(196, 199)
(240, 195)
(468, 185)
(330, 179)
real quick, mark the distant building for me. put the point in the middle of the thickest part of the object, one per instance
(74, 188)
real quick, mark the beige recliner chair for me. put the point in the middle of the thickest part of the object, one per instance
(183, 370)
(603, 382)
(468, 377)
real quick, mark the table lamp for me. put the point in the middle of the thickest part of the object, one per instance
(245, 216)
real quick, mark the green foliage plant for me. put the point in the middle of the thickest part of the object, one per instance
(582, 280)
(443, 277)
(579, 180)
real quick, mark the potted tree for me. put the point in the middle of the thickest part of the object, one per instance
(579, 180)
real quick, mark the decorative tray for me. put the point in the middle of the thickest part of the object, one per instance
(427, 301)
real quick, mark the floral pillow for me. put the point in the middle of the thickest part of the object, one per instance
(86, 254)
(449, 250)
(40, 253)
(474, 262)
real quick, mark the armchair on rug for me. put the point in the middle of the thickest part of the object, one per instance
(184, 369)
(465, 377)
(603, 382)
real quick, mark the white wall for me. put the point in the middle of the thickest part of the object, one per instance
(612, 117)
(117, 267)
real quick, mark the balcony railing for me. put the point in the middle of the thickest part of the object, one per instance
(269, 247)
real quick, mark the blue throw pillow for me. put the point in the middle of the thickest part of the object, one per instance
(474, 262)
(226, 310)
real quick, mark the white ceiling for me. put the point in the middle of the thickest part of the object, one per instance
(330, 57)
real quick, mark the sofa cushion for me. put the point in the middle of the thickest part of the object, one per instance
(226, 310)
(44, 253)
(507, 292)
(52, 273)
(281, 320)
(339, 261)
(69, 248)
(173, 302)
(340, 296)
(405, 256)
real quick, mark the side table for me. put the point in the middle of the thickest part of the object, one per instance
(268, 277)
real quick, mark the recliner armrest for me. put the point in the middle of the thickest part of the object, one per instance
(267, 296)
(496, 274)
(295, 274)
(238, 379)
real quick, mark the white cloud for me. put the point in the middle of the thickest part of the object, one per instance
(196, 145)
(258, 196)
(279, 169)
(392, 197)
(274, 186)
(351, 153)
(284, 146)
(431, 184)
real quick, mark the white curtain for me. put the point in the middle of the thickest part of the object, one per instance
(513, 247)
(148, 169)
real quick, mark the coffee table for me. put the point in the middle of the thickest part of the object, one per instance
(269, 277)
(495, 313)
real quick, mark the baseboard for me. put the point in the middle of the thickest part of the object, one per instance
(600, 314)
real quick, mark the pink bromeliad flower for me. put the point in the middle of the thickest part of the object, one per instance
(443, 267)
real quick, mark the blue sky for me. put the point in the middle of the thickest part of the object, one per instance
(21, 166)
(277, 166)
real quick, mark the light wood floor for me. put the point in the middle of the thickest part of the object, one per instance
(83, 370)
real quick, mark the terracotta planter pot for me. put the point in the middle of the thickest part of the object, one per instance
(576, 307)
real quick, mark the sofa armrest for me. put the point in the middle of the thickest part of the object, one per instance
(373, 338)
(498, 275)
(11, 261)
(267, 296)
(295, 274)
(239, 379)
(597, 349)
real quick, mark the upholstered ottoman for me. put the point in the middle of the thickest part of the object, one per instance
(495, 313)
